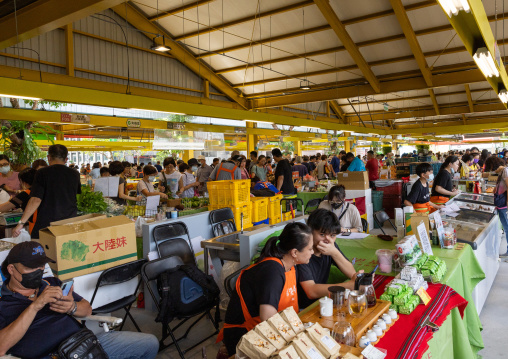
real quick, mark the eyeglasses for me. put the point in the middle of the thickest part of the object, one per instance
(4, 165)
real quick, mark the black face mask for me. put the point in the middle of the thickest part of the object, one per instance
(31, 280)
(336, 205)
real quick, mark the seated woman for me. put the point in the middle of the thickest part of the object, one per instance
(26, 179)
(269, 285)
(443, 189)
(419, 196)
(145, 186)
(313, 277)
(348, 214)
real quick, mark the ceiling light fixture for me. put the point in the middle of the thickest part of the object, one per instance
(452, 7)
(485, 62)
(305, 85)
(255, 121)
(503, 95)
(160, 48)
(22, 97)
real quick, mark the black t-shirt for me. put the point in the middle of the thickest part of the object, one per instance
(284, 169)
(47, 330)
(318, 269)
(57, 187)
(344, 167)
(443, 179)
(118, 199)
(419, 194)
(20, 201)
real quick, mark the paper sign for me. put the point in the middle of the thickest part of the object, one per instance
(425, 297)
(151, 204)
(371, 352)
(107, 185)
(424, 238)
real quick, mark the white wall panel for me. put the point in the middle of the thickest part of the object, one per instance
(8, 61)
(50, 46)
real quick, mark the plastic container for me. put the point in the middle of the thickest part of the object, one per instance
(385, 260)
(286, 216)
(274, 220)
(274, 206)
(237, 211)
(266, 221)
(259, 208)
(229, 193)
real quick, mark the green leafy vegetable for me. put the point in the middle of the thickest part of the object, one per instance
(91, 202)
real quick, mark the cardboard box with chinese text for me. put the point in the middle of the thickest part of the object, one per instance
(88, 244)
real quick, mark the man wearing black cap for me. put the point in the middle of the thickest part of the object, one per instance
(283, 173)
(229, 170)
(35, 316)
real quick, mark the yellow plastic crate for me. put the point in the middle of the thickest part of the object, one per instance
(274, 206)
(229, 193)
(259, 208)
(237, 211)
(286, 216)
(275, 220)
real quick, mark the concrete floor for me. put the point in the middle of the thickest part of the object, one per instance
(494, 318)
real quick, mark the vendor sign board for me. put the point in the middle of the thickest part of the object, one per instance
(74, 118)
(88, 244)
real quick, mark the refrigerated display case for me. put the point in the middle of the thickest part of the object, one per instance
(487, 199)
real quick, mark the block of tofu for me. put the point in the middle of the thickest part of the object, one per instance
(266, 331)
(283, 328)
(255, 346)
(323, 341)
(290, 316)
(306, 348)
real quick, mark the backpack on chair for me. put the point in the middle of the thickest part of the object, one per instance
(185, 290)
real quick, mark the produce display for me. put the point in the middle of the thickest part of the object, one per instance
(90, 202)
(401, 296)
(194, 202)
(433, 268)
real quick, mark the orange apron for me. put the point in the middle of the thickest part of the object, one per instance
(231, 172)
(31, 223)
(439, 200)
(423, 208)
(288, 298)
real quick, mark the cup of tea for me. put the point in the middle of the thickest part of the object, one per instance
(357, 303)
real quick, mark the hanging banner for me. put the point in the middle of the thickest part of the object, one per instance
(74, 118)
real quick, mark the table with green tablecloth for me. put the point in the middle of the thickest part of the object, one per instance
(463, 274)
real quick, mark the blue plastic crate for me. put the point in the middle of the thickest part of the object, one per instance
(266, 221)
(412, 168)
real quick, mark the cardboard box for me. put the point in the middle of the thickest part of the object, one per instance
(88, 244)
(413, 221)
(354, 180)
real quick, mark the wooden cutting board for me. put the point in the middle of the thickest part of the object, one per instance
(360, 324)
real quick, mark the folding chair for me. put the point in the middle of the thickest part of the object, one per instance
(230, 281)
(170, 240)
(380, 217)
(312, 204)
(365, 225)
(222, 221)
(116, 275)
(150, 272)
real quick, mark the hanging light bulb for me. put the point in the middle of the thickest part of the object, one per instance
(160, 48)
(503, 95)
(485, 62)
(304, 85)
(452, 7)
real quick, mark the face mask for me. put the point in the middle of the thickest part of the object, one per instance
(431, 177)
(5, 169)
(476, 160)
(194, 168)
(336, 205)
(453, 171)
(151, 178)
(31, 280)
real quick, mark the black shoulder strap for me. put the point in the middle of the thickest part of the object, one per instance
(164, 292)
(344, 212)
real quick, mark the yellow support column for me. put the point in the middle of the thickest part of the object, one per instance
(252, 140)
(298, 148)
(188, 154)
(347, 144)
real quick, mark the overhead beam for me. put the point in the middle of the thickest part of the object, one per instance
(341, 32)
(338, 111)
(434, 101)
(410, 35)
(139, 21)
(43, 16)
(469, 98)
(179, 9)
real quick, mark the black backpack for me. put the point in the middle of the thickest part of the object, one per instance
(185, 291)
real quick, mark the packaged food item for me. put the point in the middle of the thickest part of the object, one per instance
(323, 341)
(288, 352)
(408, 250)
(448, 238)
(394, 307)
(283, 328)
(401, 298)
(255, 346)
(306, 348)
(387, 297)
(266, 331)
(393, 289)
(350, 356)
(408, 273)
(290, 316)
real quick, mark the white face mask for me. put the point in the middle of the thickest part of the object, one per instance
(194, 168)
(151, 178)
(5, 169)
(431, 177)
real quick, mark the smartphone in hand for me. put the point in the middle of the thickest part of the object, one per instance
(66, 287)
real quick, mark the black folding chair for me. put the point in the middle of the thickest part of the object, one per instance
(173, 239)
(116, 275)
(365, 225)
(380, 217)
(150, 272)
(222, 221)
(312, 205)
(230, 281)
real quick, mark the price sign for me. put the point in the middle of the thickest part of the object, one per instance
(424, 238)
(424, 296)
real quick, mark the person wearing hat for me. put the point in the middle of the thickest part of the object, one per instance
(203, 173)
(229, 170)
(35, 316)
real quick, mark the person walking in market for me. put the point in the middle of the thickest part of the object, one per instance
(53, 193)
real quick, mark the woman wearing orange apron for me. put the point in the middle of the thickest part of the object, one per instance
(443, 189)
(20, 200)
(269, 285)
(419, 196)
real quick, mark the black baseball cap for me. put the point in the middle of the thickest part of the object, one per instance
(30, 254)
(193, 162)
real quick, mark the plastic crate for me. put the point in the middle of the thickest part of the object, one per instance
(274, 206)
(412, 168)
(237, 211)
(393, 189)
(266, 221)
(259, 208)
(274, 220)
(425, 158)
(286, 216)
(229, 193)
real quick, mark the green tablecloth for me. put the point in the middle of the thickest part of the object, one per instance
(307, 196)
(463, 274)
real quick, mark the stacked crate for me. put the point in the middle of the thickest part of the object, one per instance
(235, 195)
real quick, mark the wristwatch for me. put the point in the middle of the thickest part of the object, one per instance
(348, 230)
(20, 222)
(73, 310)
